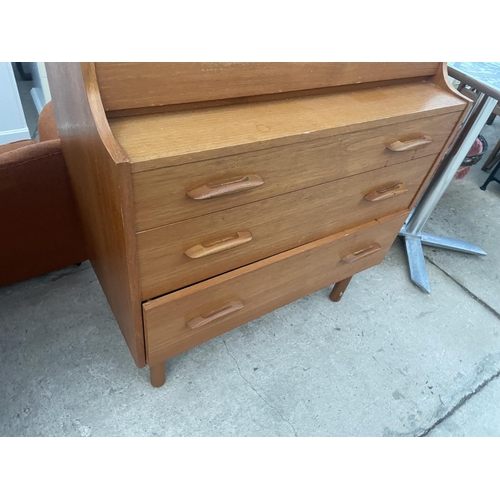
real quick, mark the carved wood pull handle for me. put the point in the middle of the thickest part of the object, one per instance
(354, 256)
(200, 321)
(413, 144)
(219, 245)
(225, 187)
(384, 193)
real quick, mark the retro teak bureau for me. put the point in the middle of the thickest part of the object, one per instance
(214, 193)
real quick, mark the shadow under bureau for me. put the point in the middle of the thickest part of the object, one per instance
(214, 193)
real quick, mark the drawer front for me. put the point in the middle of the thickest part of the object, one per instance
(180, 254)
(188, 317)
(167, 195)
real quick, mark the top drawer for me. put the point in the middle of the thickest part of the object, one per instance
(162, 139)
(172, 194)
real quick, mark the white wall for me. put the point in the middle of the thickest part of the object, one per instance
(40, 91)
(12, 122)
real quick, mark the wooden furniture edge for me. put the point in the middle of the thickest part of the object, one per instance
(99, 116)
(96, 165)
(441, 79)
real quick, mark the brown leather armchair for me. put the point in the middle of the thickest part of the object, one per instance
(40, 230)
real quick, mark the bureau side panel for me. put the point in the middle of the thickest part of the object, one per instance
(100, 177)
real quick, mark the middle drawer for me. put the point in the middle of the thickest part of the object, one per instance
(183, 253)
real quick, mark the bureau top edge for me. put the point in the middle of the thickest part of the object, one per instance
(166, 139)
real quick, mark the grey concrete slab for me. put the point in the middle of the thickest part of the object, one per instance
(465, 212)
(479, 416)
(386, 360)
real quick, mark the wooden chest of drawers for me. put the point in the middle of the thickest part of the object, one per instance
(212, 194)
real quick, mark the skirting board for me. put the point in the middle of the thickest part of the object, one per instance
(38, 99)
(20, 134)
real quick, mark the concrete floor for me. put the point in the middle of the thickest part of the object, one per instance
(388, 360)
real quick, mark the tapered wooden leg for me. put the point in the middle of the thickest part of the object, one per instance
(339, 289)
(157, 374)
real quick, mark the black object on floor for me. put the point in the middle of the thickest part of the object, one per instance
(491, 177)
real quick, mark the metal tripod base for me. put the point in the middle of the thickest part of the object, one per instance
(416, 261)
(412, 230)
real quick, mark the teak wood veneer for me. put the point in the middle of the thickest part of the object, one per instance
(214, 193)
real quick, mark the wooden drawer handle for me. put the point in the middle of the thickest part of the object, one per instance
(219, 245)
(414, 143)
(228, 186)
(384, 193)
(354, 256)
(233, 306)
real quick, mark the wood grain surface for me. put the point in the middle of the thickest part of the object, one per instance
(260, 288)
(127, 85)
(276, 224)
(100, 176)
(160, 194)
(165, 139)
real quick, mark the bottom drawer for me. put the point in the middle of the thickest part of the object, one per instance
(186, 318)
